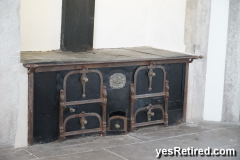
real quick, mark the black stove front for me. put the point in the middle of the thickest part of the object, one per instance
(98, 101)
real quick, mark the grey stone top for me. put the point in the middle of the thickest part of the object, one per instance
(103, 56)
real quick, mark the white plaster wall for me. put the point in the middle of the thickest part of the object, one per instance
(40, 25)
(22, 121)
(216, 60)
(155, 23)
(12, 74)
(120, 23)
(166, 22)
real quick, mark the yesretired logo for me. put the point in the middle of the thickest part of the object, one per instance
(194, 152)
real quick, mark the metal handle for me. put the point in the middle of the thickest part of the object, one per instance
(84, 121)
(152, 114)
(85, 79)
(151, 74)
(72, 110)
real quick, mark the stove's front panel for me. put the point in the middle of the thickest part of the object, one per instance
(47, 86)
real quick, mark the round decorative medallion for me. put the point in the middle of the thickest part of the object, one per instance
(117, 81)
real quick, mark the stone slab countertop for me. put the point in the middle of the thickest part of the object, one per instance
(103, 56)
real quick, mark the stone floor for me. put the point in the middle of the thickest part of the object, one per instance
(140, 145)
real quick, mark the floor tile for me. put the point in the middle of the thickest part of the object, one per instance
(138, 145)
(147, 149)
(214, 125)
(15, 154)
(168, 132)
(96, 144)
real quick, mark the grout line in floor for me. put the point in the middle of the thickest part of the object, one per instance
(31, 154)
(153, 140)
(175, 129)
(167, 129)
(114, 154)
(134, 137)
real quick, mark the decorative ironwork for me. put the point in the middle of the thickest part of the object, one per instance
(151, 74)
(150, 107)
(64, 104)
(84, 80)
(166, 103)
(150, 113)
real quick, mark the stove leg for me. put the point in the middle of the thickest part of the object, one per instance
(132, 126)
(61, 136)
(133, 100)
(132, 129)
(104, 105)
(166, 103)
(104, 124)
